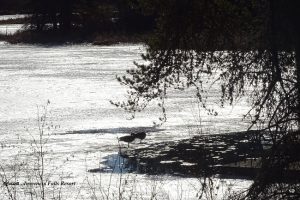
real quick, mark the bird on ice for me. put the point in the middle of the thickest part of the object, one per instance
(128, 138)
(140, 135)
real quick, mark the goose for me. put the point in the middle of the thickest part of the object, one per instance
(140, 135)
(127, 138)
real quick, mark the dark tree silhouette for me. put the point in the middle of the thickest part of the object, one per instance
(54, 12)
(14, 6)
(250, 48)
(91, 15)
(257, 53)
(133, 18)
(61, 14)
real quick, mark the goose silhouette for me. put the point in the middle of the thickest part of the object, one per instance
(130, 138)
(140, 135)
(127, 138)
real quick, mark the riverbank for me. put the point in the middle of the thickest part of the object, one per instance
(75, 37)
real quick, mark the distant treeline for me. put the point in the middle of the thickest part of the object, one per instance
(87, 15)
(14, 6)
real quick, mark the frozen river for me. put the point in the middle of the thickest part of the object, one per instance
(79, 81)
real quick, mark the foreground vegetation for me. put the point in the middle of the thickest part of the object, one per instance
(30, 174)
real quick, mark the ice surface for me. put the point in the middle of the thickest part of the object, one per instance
(83, 127)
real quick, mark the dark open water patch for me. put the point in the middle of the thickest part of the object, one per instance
(115, 163)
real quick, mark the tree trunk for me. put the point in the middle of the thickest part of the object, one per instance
(294, 18)
(297, 52)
